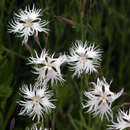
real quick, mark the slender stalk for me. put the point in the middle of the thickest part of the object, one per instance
(28, 48)
(12, 52)
(36, 38)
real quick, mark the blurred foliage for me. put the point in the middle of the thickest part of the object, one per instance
(105, 22)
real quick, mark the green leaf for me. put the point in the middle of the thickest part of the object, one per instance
(5, 91)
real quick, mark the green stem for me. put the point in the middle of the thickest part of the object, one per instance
(12, 52)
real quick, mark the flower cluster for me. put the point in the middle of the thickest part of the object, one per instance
(83, 58)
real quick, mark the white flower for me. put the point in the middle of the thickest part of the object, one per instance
(36, 101)
(34, 127)
(101, 99)
(27, 23)
(84, 58)
(123, 121)
(49, 67)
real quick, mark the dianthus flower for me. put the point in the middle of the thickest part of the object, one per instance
(123, 121)
(36, 101)
(84, 58)
(28, 23)
(48, 67)
(101, 99)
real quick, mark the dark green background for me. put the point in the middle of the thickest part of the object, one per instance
(105, 22)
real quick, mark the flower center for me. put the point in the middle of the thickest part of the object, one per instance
(36, 100)
(83, 58)
(104, 97)
(49, 66)
(28, 23)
